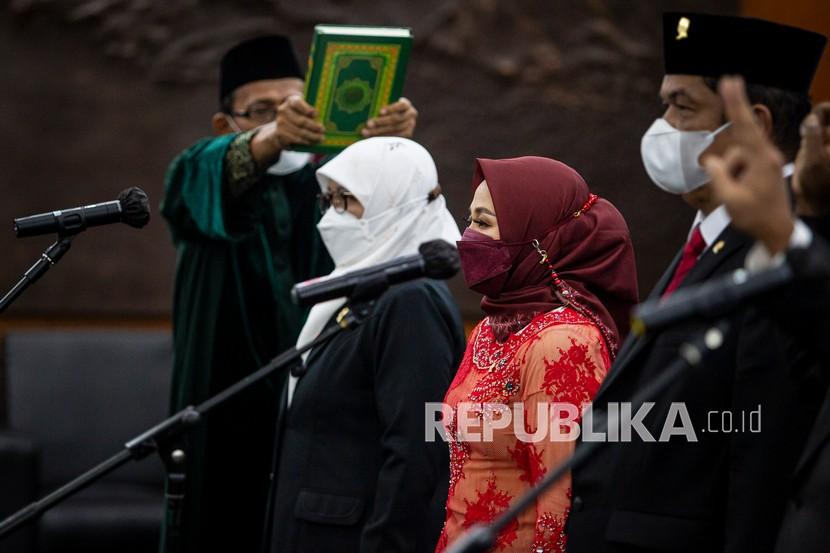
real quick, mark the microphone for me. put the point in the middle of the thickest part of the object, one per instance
(132, 207)
(437, 259)
(708, 300)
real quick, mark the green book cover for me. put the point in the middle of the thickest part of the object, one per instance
(353, 71)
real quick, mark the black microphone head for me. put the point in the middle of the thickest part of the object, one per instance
(135, 207)
(441, 259)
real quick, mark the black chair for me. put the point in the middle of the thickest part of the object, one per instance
(74, 398)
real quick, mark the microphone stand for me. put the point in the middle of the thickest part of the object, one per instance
(50, 257)
(482, 537)
(164, 438)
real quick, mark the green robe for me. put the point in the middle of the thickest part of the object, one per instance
(237, 261)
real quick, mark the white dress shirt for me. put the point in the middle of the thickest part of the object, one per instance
(712, 225)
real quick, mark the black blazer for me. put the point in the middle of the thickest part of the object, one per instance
(355, 473)
(807, 310)
(724, 492)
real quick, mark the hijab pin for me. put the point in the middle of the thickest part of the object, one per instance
(542, 253)
(592, 199)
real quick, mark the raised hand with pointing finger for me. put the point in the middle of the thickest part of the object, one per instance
(748, 178)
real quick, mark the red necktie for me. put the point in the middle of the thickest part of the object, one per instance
(691, 251)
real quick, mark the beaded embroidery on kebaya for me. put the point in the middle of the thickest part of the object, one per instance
(487, 352)
(459, 453)
(550, 533)
(497, 359)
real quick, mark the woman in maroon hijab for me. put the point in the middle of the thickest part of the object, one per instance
(556, 267)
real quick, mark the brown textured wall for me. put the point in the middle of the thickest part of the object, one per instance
(99, 96)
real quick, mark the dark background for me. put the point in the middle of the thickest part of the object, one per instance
(100, 95)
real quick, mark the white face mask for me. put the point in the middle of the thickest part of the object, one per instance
(289, 162)
(349, 239)
(346, 237)
(671, 156)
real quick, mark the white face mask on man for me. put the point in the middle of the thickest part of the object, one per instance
(289, 162)
(671, 157)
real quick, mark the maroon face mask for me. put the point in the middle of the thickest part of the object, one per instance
(486, 262)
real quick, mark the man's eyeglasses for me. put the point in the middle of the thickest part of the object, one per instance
(339, 200)
(258, 113)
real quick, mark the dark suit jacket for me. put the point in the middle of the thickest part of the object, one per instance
(807, 309)
(355, 473)
(724, 492)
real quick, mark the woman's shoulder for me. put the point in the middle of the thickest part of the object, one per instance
(560, 331)
(415, 293)
(568, 356)
(566, 321)
(421, 301)
(557, 325)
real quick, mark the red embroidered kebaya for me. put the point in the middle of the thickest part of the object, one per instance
(560, 357)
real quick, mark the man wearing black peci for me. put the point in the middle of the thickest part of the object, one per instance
(715, 490)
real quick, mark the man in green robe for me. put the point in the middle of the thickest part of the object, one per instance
(242, 211)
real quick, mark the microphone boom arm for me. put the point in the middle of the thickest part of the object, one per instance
(50, 257)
